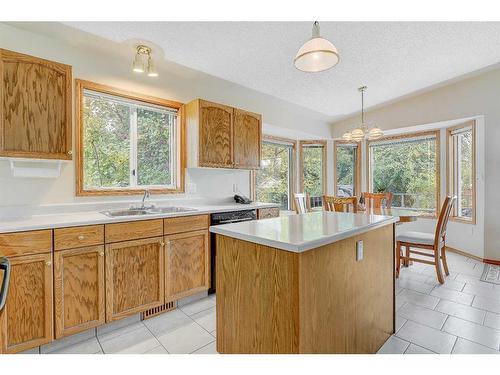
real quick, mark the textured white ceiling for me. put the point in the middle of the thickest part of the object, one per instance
(392, 59)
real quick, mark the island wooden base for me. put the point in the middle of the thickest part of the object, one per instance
(318, 301)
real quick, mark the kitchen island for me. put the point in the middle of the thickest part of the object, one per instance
(319, 282)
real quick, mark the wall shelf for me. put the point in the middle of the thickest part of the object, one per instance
(35, 168)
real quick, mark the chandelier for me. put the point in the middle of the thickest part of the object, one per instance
(363, 131)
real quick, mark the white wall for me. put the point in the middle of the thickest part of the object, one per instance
(472, 97)
(109, 63)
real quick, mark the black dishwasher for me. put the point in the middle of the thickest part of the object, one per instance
(225, 218)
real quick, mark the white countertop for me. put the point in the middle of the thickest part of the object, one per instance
(299, 233)
(72, 219)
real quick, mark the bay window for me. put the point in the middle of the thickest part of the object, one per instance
(461, 170)
(313, 170)
(347, 161)
(274, 181)
(407, 166)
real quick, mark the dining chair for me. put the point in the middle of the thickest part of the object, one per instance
(302, 203)
(427, 241)
(340, 204)
(374, 200)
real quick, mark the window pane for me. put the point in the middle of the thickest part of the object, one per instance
(106, 143)
(154, 135)
(465, 188)
(313, 173)
(345, 170)
(273, 179)
(408, 170)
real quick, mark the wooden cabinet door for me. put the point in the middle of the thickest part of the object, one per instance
(134, 277)
(215, 135)
(247, 139)
(27, 318)
(35, 114)
(78, 289)
(187, 264)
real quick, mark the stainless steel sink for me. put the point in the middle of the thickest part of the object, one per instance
(167, 210)
(147, 211)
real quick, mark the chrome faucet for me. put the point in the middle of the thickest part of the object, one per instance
(143, 202)
(144, 197)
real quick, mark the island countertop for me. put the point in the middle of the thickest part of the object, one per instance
(299, 233)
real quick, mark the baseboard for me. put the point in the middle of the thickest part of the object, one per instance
(492, 261)
(464, 253)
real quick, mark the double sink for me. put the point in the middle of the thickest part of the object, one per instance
(147, 211)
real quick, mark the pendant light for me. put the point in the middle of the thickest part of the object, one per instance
(363, 132)
(317, 54)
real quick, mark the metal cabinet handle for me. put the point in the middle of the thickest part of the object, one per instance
(48, 263)
(5, 266)
(101, 254)
(70, 152)
(81, 237)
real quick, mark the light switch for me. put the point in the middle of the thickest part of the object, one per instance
(359, 250)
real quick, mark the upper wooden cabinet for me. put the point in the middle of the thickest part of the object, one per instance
(35, 110)
(222, 137)
(247, 139)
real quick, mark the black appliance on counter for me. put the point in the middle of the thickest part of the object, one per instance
(4, 287)
(225, 218)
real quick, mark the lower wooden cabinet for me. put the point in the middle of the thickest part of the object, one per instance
(134, 277)
(78, 289)
(27, 319)
(187, 264)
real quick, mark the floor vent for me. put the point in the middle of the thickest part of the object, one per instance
(158, 310)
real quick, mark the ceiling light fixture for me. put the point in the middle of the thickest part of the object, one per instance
(317, 54)
(143, 61)
(363, 132)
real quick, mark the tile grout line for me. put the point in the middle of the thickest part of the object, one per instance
(210, 343)
(206, 330)
(157, 339)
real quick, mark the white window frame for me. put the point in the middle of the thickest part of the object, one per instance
(454, 170)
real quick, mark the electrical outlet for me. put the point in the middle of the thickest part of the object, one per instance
(359, 250)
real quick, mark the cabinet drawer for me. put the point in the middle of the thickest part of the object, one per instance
(25, 243)
(69, 238)
(185, 224)
(133, 230)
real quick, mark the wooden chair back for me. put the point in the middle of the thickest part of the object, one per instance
(444, 217)
(302, 203)
(374, 200)
(340, 204)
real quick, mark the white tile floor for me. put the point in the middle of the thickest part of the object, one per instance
(461, 316)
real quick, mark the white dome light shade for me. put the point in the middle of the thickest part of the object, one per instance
(358, 134)
(317, 54)
(347, 136)
(375, 133)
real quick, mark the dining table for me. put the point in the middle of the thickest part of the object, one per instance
(405, 215)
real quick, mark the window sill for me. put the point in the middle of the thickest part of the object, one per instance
(457, 219)
(87, 193)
